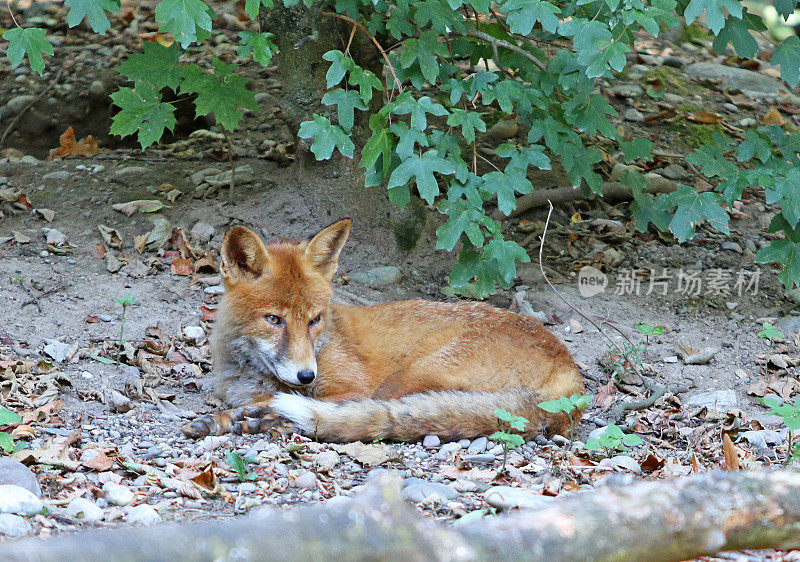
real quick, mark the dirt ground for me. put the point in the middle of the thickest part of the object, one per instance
(63, 368)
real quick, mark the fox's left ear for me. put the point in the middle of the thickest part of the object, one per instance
(324, 248)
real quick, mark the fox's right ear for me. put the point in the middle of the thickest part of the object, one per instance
(244, 256)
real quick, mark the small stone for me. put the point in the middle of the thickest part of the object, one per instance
(203, 230)
(730, 107)
(306, 480)
(247, 487)
(85, 510)
(105, 318)
(378, 277)
(16, 473)
(747, 122)
(731, 246)
(198, 177)
(417, 490)
(633, 114)
(60, 175)
(448, 448)
(131, 171)
(464, 443)
(719, 400)
(13, 526)
(194, 334)
(788, 325)
(214, 290)
(674, 172)
(18, 500)
(117, 494)
(751, 83)
(326, 460)
(484, 458)
(626, 90)
(16, 104)
(477, 446)
(96, 88)
(504, 129)
(142, 515)
(431, 441)
(507, 497)
(56, 350)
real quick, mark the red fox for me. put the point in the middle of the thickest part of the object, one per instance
(397, 371)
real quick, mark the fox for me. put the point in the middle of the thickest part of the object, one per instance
(393, 371)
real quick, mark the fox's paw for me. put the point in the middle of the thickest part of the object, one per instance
(201, 427)
(237, 420)
(296, 408)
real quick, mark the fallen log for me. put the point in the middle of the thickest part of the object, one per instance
(663, 520)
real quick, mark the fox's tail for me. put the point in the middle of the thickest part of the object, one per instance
(449, 414)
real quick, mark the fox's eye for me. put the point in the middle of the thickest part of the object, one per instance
(274, 320)
(314, 321)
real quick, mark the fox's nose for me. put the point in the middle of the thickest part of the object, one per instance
(305, 376)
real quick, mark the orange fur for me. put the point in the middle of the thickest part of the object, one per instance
(398, 370)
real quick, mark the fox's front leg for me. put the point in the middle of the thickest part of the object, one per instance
(246, 419)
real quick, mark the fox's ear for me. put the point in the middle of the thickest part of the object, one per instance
(324, 248)
(244, 256)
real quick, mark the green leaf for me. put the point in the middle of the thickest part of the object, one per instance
(785, 7)
(157, 65)
(589, 115)
(632, 440)
(506, 186)
(142, 112)
(259, 44)
(418, 110)
(530, 155)
(786, 191)
(340, 64)
(30, 41)
(422, 169)
(9, 417)
(6, 442)
(637, 149)
(506, 253)
(346, 102)
(469, 121)
(787, 253)
(183, 18)
(503, 415)
(580, 401)
(523, 15)
(692, 209)
(462, 218)
(326, 137)
(222, 93)
(94, 11)
(592, 444)
(648, 330)
(407, 139)
(752, 145)
(787, 56)
(366, 82)
(510, 439)
(251, 7)
(552, 406)
(715, 12)
(770, 332)
(379, 144)
(424, 51)
(737, 31)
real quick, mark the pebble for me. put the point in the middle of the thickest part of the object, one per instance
(464, 443)
(14, 472)
(477, 446)
(448, 448)
(105, 318)
(18, 500)
(142, 515)
(417, 490)
(731, 246)
(194, 334)
(60, 175)
(747, 122)
(431, 441)
(633, 114)
(508, 497)
(720, 400)
(131, 171)
(752, 84)
(326, 460)
(214, 290)
(84, 509)
(730, 107)
(247, 487)
(378, 277)
(203, 230)
(117, 494)
(483, 458)
(13, 526)
(306, 480)
(16, 104)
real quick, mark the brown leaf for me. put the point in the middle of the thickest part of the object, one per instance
(86, 148)
(704, 117)
(205, 265)
(209, 314)
(758, 388)
(773, 117)
(100, 250)
(181, 266)
(731, 455)
(605, 395)
(52, 453)
(111, 236)
(100, 463)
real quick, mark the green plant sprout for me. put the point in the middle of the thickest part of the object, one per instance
(770, 332)
(648, 330)
(7, 444)
(126, 301)
(616, 363)
(239, 466)
(613, 439)
(567, 405)
(508, 440)
(791, 418)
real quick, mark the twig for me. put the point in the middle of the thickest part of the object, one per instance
(13, 125)
(363, 28)
(656, 392)
(35, 300)
(10, 13)
(505, 44)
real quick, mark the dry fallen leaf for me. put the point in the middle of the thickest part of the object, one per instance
(47, 214)
(370, 455)
(86, 148)
(111, 236)
(704, 117)
(181, 266)
(731, 455)
(773, 117)
(141, 205)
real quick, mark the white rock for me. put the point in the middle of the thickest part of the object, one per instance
(306, 480)
(194, 334)
(117, 494)
(326, 460)
(85, 510)
(507, 497)
(13, 526)
(18, 500)
(142, 515)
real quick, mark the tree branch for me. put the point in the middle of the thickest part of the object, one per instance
(504, 44)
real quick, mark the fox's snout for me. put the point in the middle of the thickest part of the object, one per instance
(306, 376)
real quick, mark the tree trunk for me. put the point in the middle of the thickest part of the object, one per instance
(302, 37)
(665, 520)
